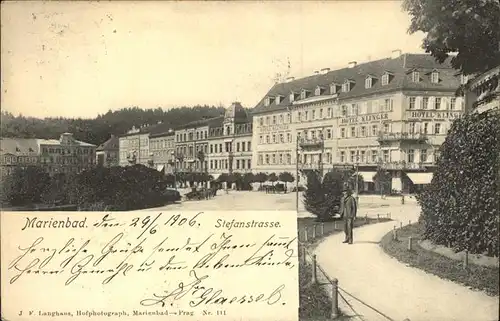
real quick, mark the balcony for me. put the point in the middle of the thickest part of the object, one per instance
(311, 143)
(401, 165)
(391, 137)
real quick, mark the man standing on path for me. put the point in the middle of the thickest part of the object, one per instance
(348, 209)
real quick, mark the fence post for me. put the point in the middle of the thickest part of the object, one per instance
(410, 243)
(322, 229)
(466, 259)
(366, 218)
(335, 298)
(314, 232)
(400, 224)
(305, 234)
(394, 234)
(314, 274)
(378, 217)
(335, 225)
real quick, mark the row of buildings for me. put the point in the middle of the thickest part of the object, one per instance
(391, 114)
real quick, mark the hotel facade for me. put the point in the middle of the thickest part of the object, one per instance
(391, 114)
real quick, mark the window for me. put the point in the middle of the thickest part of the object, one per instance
(387, 104)
(299, 116)
(274, 138)
(267, 101)
(385, 79)
(363, 156)
(386, 155)
(306, 115)
(435, 77)
(313, 115)
(426, 128)
(260, 140)
(368, 82)
(274, 120)
(281, 119)
(212, 147)
(344, 110)
(353, 131)
(267, 158)
(238, 147)
(267, 139)
(342, 132)
(242, 146)
(329, 134)
(363, 131)
(243, 164)
(437, 103)
(437, 128)
(268, 120)
(289, 137)
(333, 89)
(342, 157)
(386, 128)
(415, 76)
(288, 158)
(237, 164)
(274, 159)
(282, 138)
(453, 102)
(292, 97)
(329, 112)
(411, 155)
(412, 103)
(354, 109)
(281, 158)
(321, 113)
(353, 156)
(346, 87)
(288, 118)
(425, 102)
(249, 163)
(411, 128)
(260, 159)
(303, 94)
(374, 130)
(249, 146)
(423, 155)
(374, 156)
(278, 101)
(464, 79)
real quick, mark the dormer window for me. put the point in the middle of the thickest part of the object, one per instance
(319, 91)
(293, 96)
(346, 86)
(17, 149)
(334, 88)
(278, 100)
(368, 82)
(415, 76)
(269, 100)
(387, 77)
(435, 77)
(304, 93)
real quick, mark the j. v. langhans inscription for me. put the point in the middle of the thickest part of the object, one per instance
(35, 222)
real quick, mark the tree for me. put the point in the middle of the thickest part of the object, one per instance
(286, 177)
(248, 179)
(24, 185)
(382, 180)
(272, 178)
(469, 28)
(460, 207)
(314, 196)
(261, 178)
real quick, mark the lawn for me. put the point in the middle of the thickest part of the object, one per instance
(477, 277)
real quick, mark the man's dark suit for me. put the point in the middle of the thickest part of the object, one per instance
(348, 208)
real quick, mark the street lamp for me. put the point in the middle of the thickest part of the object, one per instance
(356, 178)
(175, 169)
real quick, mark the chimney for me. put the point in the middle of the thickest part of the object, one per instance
(289, 79)
(396, 53)
(325, 70)
(352, 64)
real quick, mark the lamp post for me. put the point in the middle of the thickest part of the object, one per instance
(356, 178)
(175, 169)
(297, 173)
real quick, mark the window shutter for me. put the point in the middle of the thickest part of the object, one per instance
(458, 103)
(418, 103)
(431, 102)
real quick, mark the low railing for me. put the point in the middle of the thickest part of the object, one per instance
(311, 142)
(402, 166)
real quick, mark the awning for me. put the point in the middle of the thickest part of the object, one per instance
(420, 178)
(367, 176)
(159, 168)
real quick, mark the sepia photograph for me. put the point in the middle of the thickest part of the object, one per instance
(250, 160)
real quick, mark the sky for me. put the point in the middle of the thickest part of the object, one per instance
(81, 59)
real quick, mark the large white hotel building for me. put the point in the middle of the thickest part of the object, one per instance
(391, 114)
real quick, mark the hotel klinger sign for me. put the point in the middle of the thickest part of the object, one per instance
(432, 115)
(365, 119)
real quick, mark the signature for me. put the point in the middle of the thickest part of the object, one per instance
(201, 294)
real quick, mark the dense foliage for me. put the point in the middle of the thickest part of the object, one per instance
(469, 28)
(460, 208)
(98, 130)
(24, 186)
(323, 194)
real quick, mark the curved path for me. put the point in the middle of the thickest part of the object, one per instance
(399, 292)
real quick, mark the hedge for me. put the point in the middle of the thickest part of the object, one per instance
(460, 208)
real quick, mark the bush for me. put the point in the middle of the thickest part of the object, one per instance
(24, 186)
(460, 208)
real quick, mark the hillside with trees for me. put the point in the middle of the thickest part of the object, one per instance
(98, 130)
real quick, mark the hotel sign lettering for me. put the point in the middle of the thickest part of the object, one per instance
(430, 114)
(365, 119)
(273, 128)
